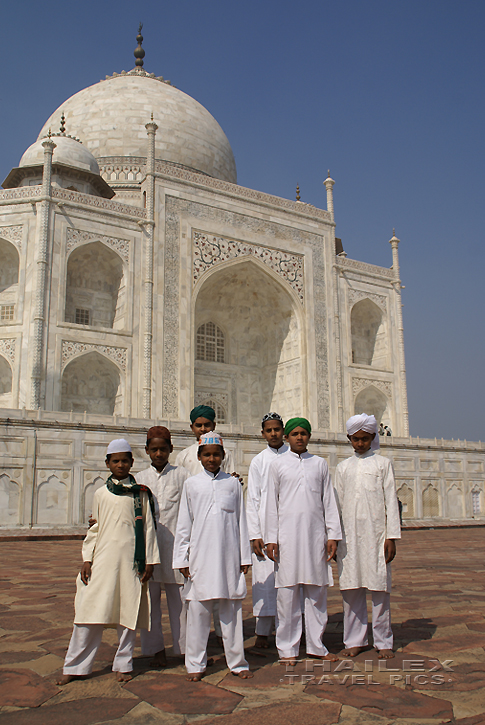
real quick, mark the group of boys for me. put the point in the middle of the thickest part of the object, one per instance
(184, 527)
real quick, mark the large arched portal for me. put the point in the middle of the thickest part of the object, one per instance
(369, 339)
(91, 383)
(95, 290)
(256, 365)
(9, 278)
(372, 402)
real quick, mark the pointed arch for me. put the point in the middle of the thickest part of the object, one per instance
(95, 287)
(431, 502)
(9, 279)
(369, 337)
(91, 383)
(261, 318)
(405, 494)
(372, 401)
(52, 502)
(9, 501)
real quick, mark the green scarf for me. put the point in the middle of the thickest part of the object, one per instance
(135, 490)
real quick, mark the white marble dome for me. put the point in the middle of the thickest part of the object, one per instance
(68, 151)
(110, 116)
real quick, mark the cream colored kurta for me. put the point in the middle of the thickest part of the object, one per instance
(188, 459)
(367, 498)
(167, 489)
(114, 594)
(264, 593)
(212, 537)
(301, 514)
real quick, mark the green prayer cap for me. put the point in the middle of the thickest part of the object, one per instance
(202, 411)
(295, 422)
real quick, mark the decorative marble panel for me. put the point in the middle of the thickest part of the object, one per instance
(210, 250)
(355, 295)
(7, 348)
(70, 349)
(98, 202)
(76, 237)
(365, 267)
(12, 234)
(359, 384)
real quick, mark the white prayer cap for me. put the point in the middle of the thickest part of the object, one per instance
(368, 423)
(210, 439)
(118, 446)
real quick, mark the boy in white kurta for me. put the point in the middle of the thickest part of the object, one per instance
(302, 530)
(119, 553)
(212, 551)
(165, 482)
(367, 497)
(264, 592)
(202, 420)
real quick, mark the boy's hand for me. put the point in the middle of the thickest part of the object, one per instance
(236, 475)
(91, 521)
(147, 574)
(258, 547)
(185, 571)
(86, 572)
(245, 568)
(272, 551)
(331, 549)
(389, 550)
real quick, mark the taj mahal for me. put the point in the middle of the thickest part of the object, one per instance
(138, 279)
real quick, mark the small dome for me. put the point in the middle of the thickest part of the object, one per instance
(68, 151)
(110, 116)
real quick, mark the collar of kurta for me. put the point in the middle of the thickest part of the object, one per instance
(278, 451)
(367, 454)
(302, 456)
(164, 469)
(213, 475)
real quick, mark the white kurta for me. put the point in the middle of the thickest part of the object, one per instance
(188, 459)
(166, 487)
(366, 493)
(212, 537)
(301, 514)
(264, 594)
(114, 594)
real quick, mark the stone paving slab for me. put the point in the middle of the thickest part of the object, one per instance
(438, 607)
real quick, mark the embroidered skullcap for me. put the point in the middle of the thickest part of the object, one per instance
(297, 422)
(366, 423)
(159, 431)
(202, 411)
(211, 439)
(118, 446)
(271, 416)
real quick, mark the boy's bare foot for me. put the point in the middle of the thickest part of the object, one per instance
(262, 641)
(243, 674)
(65, 679)
(124, 676)
(385, 654)
(292, 661)
(352, 651)
(159, 659)
(194, 676)
(329, 656)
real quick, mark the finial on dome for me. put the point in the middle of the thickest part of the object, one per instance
(393, 231)
(297, 192)
(328, 174)
(151, 117)
(49, 134)
(63, 125)
(139, 52)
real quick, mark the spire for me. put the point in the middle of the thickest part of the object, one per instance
(63, 125)
(139, 52)
(297, 192)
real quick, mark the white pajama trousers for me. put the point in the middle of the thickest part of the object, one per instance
(355, 618)
(152, 640)
(264, 625)
(198, 630)
(289, 624)
(84, 644)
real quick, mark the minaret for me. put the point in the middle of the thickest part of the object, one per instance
(329, 182)
(41, 276)
(394, 242)
(150, 224)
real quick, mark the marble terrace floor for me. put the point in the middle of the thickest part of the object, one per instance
(438, 674)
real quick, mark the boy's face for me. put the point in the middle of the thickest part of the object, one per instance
(361, 441)
(273, 433)
(298, 439)
(211, 457)
(159, 450)
(201, 426)
(119, 464)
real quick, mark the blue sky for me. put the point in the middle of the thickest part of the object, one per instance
(387, 95)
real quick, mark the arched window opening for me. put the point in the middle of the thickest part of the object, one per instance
(95, 290)
(91, 383)
(210, 343)
(406, 496)
(372, 402)
(9, 278)
(431, 502)
(369, 339)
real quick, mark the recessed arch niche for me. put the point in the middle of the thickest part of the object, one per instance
(373, 402)
(369, 338)
(91, 383)
(95, 287)
(5, 383)
(262, 368)
(9, 279)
